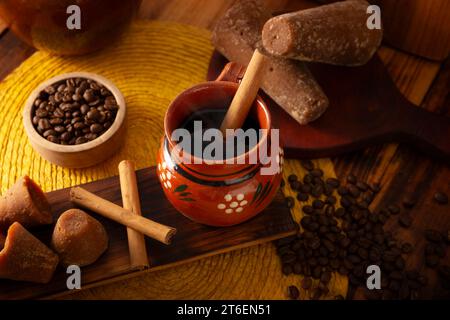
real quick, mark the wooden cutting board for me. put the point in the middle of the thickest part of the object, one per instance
(366, 108)
(193, 241)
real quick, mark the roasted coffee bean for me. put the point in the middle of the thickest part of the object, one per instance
(305, 188)
(440, 250)
(354, 191)
(286, 269)
(375, 187)
(292, 178)
(339, 213)
(49, 133)
(433, 236)
(289, 202)
(405, 221)
(441, 198)
(407, 248)
(294, 293)
(302, 197)
(409, 201)
(295, 185)
(306, 283)
(318, 204)
(316, 272)
(432, 260)
(317, 191)
(308, 209)
(342, 191)
(44, 124)
(393, 209)
(53, 139)
(317, 173)
(307, 179)
(345, 202)
(351, 178)
(362, 186)
(315, 294)
(329, 210)
(333, 182)
(331, 200)
(307, 164)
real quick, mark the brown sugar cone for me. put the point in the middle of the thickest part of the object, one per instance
(25, 258)
(336, 34)
(289, 83)
(26, 203)
(78, 238)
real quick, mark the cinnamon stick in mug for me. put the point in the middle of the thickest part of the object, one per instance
(152, 229)
(130, 199)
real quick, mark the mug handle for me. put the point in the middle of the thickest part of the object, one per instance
(232, 72)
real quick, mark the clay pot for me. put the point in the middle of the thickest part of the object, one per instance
(216, 194)
(42, 23)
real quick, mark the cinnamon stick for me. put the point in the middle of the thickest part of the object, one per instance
(152, 229)
(246, 93)
(130, 199)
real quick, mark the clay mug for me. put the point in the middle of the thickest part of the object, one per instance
(43, 24)
(218, 194)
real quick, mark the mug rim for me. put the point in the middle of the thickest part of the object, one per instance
(212, 85)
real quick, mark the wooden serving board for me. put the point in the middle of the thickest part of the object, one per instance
(193, 241)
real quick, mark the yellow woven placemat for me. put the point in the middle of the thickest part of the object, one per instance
(150, 64)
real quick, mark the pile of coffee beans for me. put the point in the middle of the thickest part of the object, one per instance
(347, 237)
(74, 111)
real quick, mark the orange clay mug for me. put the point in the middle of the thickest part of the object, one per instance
(218, 194)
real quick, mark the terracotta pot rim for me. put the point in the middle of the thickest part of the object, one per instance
(214, 85)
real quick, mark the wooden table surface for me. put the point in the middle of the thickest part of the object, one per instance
(255, 273)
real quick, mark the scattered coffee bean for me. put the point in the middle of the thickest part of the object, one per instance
(308, 209)
(409, 201)
(333, 182)
(405, 221)
(362, 186)
(433, 236)
(74, 111)
(289, 202)
(307, 164)
(292, 178)
(394, 209)
(432, 260)
(302, 197)
(318, 204)
(441, 198)
(375, 187)
(351, 178)
(294, 293)
(342, 191)
(346, 238)
(317, 173)
(407, 248)
(306, 283)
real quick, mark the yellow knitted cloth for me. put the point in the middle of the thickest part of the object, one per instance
(150, 64)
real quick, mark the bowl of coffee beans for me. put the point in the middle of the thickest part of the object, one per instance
(75, 120)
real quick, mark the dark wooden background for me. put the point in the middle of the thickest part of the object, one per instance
(255, 272)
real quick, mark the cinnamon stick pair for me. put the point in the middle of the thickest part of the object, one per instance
(129, 215)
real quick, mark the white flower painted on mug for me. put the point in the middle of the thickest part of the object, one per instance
(231, 205)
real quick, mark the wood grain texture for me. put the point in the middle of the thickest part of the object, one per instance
(421, 27)
(255, 272)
